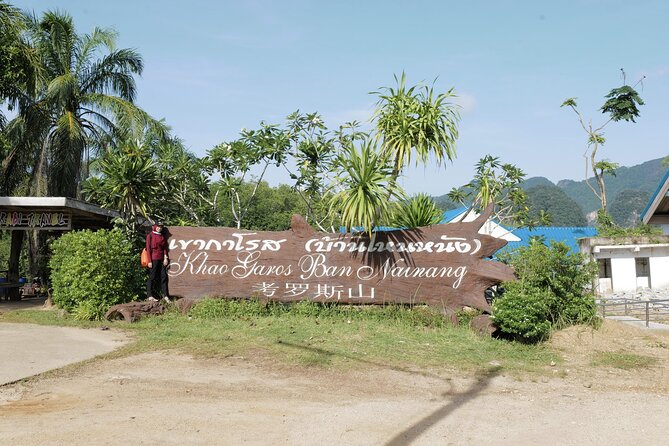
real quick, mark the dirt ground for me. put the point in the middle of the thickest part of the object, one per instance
(170, 398)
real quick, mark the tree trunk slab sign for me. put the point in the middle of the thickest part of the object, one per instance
(445, 266)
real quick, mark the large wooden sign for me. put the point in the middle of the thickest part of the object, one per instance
(444, 265)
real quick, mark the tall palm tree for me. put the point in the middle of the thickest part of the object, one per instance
(86, 93)
(18, 72)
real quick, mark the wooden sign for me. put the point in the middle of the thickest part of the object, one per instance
(446, 266)
(36, 220)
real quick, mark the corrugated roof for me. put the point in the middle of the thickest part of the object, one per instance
(568, 235)
(448, 216)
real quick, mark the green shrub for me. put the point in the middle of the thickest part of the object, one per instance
(561, 280)
(91, 271)
(522, 313)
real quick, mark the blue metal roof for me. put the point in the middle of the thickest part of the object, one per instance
(567, 235)
(450, 215)
(652, 197)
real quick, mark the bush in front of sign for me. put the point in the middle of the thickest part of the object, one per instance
(554, 290)
(91, 271)
(522, 313)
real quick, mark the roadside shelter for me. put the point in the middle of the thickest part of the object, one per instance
(21, 214)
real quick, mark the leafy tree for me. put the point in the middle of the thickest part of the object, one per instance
(234, 161)
(621, 104)
(271, 210)
(79, 99)
(554, 201)
(127, 181)
(18, 68)
(313, 150)
(18, 73)
(500, 185)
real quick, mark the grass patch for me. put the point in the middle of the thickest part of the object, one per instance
(320, 336)
(49, 317)
(621, 360)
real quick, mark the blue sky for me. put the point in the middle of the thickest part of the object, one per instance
(213, 67)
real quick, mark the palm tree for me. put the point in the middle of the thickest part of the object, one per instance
(127, 181)
(18, 72)
(364, 179)
(413, 120)
(81, 98)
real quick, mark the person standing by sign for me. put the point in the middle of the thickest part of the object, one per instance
(156, 246)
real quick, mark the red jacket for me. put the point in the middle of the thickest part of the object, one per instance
(156, 245)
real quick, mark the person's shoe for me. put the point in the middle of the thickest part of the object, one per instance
(152, 299)
(167, 299)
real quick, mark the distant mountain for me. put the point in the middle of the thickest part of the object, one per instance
(554, 201)
(642, 178)
(626, 193)
(537, 181)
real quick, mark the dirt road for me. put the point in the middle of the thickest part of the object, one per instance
(171, 398)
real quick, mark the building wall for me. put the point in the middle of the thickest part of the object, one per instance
(623, 255)
(661, 221)
(659, 271)
(623, 273)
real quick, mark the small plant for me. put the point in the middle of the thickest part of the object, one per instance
(91, 271)
(638, 231)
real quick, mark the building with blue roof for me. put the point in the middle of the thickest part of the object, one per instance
(567, 235)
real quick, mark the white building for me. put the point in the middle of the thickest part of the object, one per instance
(631, 263)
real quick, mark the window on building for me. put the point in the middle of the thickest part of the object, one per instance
(604, 268)
(642, 267)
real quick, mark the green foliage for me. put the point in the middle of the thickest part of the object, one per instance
(416, 316)
(91, 271)
(622, 104)
(521, 313)
(555, 284)
(415, 120)
(499, 184)
(418, 211)
(127, 182)
(270, 210)
(365, 182)
(640, 230)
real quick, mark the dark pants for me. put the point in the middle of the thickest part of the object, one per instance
(156, 285)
